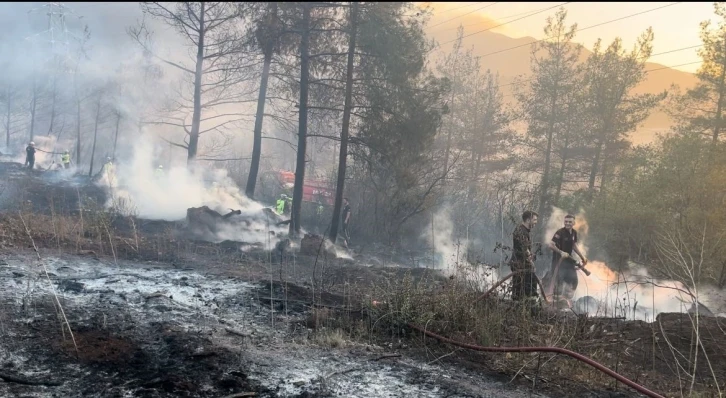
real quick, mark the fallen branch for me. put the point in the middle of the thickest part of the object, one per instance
(74, 278)
(241, 395)
(155, 295)
(20, 380)
(236, 332)
(315, 305)
(204, 354)
(387, 356)
(342, 372)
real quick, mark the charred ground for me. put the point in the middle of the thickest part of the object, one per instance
(126, 284)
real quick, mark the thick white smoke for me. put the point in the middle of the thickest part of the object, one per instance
(139, 185)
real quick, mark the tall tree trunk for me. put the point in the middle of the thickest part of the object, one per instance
(297, 192)
(78, 129)
(545, 185)
(115, 135)
(95, 135)
(473, 179)
(562, 171)
(606, 161)
(457, 45)
(451, 127)
(719, 104)
(52, 104)
(32, 108)
(257, 140)
(594, 168)
(8, 110)
(343, 158)
(197, 114)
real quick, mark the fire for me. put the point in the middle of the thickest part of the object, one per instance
(632, 293)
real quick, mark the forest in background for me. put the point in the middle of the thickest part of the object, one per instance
(351, 92)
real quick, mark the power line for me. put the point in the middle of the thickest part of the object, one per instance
(646, 72)
(673, 66)
(463, 15)
(649, 56)
(498, 18)
(458, 8)
(502, 24)
(580, 30)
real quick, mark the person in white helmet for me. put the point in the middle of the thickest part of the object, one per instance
(159, 172)
(30, 155)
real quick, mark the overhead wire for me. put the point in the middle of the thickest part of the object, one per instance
(649, 56)
(499, 18)
(582, 29)
(646, 72)
(464, 6)
(463, 15)
(501, 24)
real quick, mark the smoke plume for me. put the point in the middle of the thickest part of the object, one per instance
(166, 194)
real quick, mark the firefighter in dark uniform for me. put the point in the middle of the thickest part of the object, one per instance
(563, 243)
(524, 280)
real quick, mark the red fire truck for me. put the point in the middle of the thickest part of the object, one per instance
(314, 190)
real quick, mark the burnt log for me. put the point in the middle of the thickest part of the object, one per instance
(315, 245)
(206, 223)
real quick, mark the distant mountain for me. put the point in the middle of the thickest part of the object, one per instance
(512, 63)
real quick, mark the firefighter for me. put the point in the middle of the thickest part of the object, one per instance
(280, 208)
(159, 172)
(66, 159)
(30, 155)
(524, 281)
(563, 243)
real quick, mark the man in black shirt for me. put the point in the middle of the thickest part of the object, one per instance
(346, 221)
(563, 243)
(30, 155)
(524, 281)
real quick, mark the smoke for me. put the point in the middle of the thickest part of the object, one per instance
(632, 293)
(166, 195)
(440, 237)
(451, 254)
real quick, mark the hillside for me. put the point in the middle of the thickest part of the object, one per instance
(512, 63)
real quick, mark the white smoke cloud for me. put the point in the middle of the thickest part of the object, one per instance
(451, 253)
(167, 195)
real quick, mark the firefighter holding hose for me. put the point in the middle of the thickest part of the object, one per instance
(563, 270)
(524, 280)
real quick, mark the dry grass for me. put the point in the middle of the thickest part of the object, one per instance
(631, 348)
(330, 338)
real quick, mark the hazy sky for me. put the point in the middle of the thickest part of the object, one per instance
(675, 27)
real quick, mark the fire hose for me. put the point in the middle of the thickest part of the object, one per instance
(496, 285)
(637, 387)
(557, 350)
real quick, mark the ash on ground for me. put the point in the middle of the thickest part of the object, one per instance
(152, 330)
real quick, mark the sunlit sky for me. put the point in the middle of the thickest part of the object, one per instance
(675, 26)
